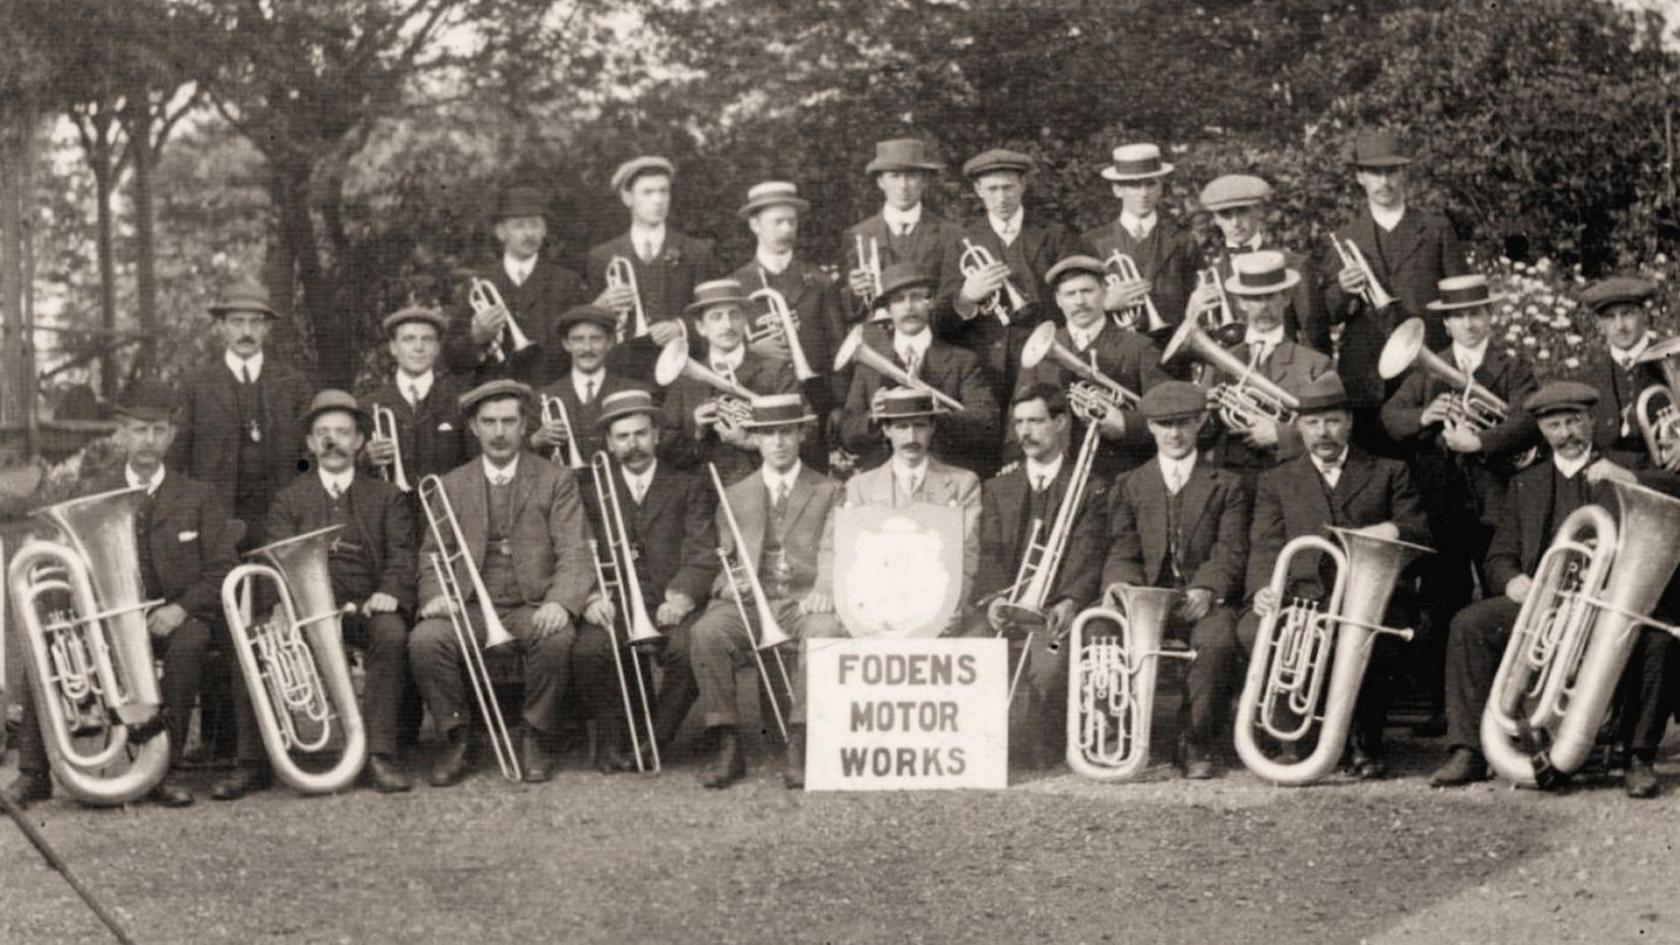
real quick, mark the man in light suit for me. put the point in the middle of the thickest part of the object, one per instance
(525, 530)
(785, 512)
(586, 331)
(1166, 254)
(905, 231)
(1237, 202)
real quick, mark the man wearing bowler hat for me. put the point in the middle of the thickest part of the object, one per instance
(1238, 203)
(1630, 366)
(1166, 254)
(586, 332)
(905, 231)
(421, 396)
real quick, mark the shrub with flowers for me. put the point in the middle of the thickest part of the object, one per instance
(1541, 319)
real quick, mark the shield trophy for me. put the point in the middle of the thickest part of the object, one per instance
(898, 571)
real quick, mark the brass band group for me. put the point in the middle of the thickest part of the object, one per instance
(611, 496)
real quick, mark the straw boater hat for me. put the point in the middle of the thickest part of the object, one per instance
(1378, 149)
(243, 295)
(625, 403)
(902, 403)
(1558, 396)
(413, 313)
(147, 400)
(1136, 162)
(493, 390)
(902, 276)
(777, 410)
(1171, 399)
(1456, 292)
(1232, 191)
(716, 292)
(1262, 273)
(997, 159)
(901, 154)
(330, 400)
(627, 172)
(520, 201)
(772, 193)
(1605, 295)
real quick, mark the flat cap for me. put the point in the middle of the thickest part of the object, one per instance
(1617, 290)
(1234, 190)
(414, 313)
(902, 276)
(493, 390)
(625, 403)
(331, 399)
(1556, 396)
(627, 172)
(1170, 399)
(997, 159)
(588, 314)
(1074, 265)
(147, 399)
(1324, 392)
(242, 295)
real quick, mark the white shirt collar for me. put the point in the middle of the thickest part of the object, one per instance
(235, 363)
(918, 343)
(492, 473)
(1625, 359)
(421, 384)
(151, 484)
(1386, 217)
(519, 270)
(1146, 224)
(1008, 229)
(1184, 467)
(1084, 337)
(643, 235)
(1045, 471)
(340, 480)
(1252, 246)
(1271, 339)
(1570, 467)
(731, 359)
(1338, 463)
(910, 476)
(774, 480)
(640, 483)
(1469, 358)
(897, 220)
(774, 263)
(580, 378)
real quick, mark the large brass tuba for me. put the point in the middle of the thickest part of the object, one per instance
(294, 664)
(1575, 632)
(1309, 661)
(1248, 396)
(615, 574)
(1091, 385)
(1111, 681)
(89, 655)
(1657, 410)
(742, 576)
(854, 348)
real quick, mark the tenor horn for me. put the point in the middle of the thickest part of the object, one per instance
(385, 428)
(483, 297)
(734, 401)
(1309, 661)
(88, 653)
(293, 663)
(1122, 269)
(554, 411)
(1111, 681)
(743, 580)
(1043, 343)
(1353, 257)
(622, 272)
(781, 321)
(1475, 406)
(615, 574)
(1007, 300)
(854, 349)
(1656, 410)
(1248, 397)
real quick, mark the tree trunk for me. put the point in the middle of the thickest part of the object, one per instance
(296, 263)
(17, 374)
(100, 162)
(145, 247)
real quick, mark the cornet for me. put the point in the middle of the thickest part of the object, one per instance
(1352, 257)
(1123, 269)
(1248, 397)
(743, 580)
(615, 574)
(1656, 411)
(1111, 681)
(483, 297)
(554, 410)
(734, 402)
(385, 428)
(854, 349)
(869, 260)
(1092, 390)
(1217, 317)
(1005, 302)
(781, 321)
(621, 271)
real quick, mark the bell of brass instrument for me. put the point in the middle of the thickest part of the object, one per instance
(385, 428)
(742, 576)
(1353, 257)
(554, 410)
(1245, 399)
(854, 349)
(1656, 410)
(621, 271)
(1140, 316)
(484, 296)
(452, 553)
(1573, 636)
(1476, 406)
(780, 321)
(615, 574)
(87, 651)
(294, 664)
(1111, 681)
(1006, 301)
(734, 401)
(1309, 661)
(1042, 343)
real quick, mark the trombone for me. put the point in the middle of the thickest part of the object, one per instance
(869, 260)
(1123, 269)
(1092, 390)
(783, 321)
(554, 409)
(854, 349)
(452, 551)
(615, 572)
(734, 401)
(1353, 257)
(743, 580)
(1005, 301)
(620, 271)
(385, 428)
(1248, 397)
(484, 297)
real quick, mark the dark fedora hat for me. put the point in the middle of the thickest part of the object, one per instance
(902, 154)
(1324, 392)
(902, 276)
(1378, 149)
(147, 399)
(520, 201)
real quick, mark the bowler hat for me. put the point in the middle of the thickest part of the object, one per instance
(997, 159)
(331, 399)
(1324, 392)
(1135, 162)
(1378, 149)
(1260, 273)
(1232, 191)
(716, 292)
(147, 399)
(770, 194)
(902, 403)
(414, 313)
(1077, 264)
(625, 403)
(1467, 291)
(520, 201)
(627, 172)
(902, 276)
(493, 390)
(778, 410)
(243, 295)
(1556, 396)
(1606, 294)
(902, 154)
(1170, 399)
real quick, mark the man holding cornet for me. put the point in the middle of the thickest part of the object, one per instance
(905, 231)
(1620, 306)
(1164, 254)
(422, 399)
(1237, 203)
(586, 332)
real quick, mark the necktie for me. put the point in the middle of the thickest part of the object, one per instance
(334, 491)
(779, 505)
(638, 489)
(644, 249)
(912, 361)
(1136, 231)
(1040, 483)
(1175, 482)
(1256, 353)
(589, 390)
(1332, 472)
(903, 229)
(414, 396)
(245, 372)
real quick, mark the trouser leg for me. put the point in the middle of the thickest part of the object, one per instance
(183, 670)
(596, 679)
(1640, 696)
(812, 628)
(1475, 645)
(384, 642)
(434, 656)
(718, 643)
(1211, 675)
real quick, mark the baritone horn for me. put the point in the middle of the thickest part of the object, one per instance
(622, 272)
(1111, 681)
(1091, 388)
(734, 401)
(1573, 636)
(484, 297)
(1122, 269)
(385, 428)
(743, 580)
(1352, 257)
(554, 411)
(293, 664)
(1006, 301)
(780, 321)
(855, 349)
(1656, 409)
(615, 574)
(1248, 397)
(88, 654)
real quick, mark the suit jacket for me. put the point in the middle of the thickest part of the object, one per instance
(1292, 366)
(1423, 251)
(1004, 528)
(1213, 533)
(191, 539)
(1618, 392)
(433, 437)
(1526, 528)
(666, 285)
(550, 533)
(685, 446)
(1126, 357)
(536, 306)
(672, 531)
(584, 417)
(941, 485)
(1168, 257)
(1305, 319)
(924, 246)
(807, 531)
(206, 446)
(1292, 500)
(381, 522)
(968, 439)
(814, 300)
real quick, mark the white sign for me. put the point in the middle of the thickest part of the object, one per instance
(906, 714)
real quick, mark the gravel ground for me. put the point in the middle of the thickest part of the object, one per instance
(1056, 858)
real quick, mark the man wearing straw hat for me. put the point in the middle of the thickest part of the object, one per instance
(1165, 253)
(905, 231)
(1237, 203)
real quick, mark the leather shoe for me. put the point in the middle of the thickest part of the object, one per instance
(385, 777)
(29, 787)
(243, 780)
(793, 766)
(614, 760)
(170, 793)
(1434, 726)
(451, 766)
(1638, 778)
(1198, 764)
(535, 761)
(1463, 766)
(728, 766)
(1367, 768)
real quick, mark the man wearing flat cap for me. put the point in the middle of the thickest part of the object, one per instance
(1179, 522)
(586, 332)
(1238, 203)
(1542, 496)
(240, 429)
(422, 398)
(185, 543)
(372, 566)
(905, 231)
(1630, 366)
(1165, 254)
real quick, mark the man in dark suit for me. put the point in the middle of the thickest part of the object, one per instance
(1237, 202)
(666, 264)
(699, 428)
(239, 429)
(667, 516)
(1620, 304)
(785, 512)
(1182, 523)
(371, 564)
(1409, 251)
(587, 333)
(525, 530)
(422, 400)
(1166, 254)
(905, 231)
(967, 438)
(185, 543)
(1330, 484)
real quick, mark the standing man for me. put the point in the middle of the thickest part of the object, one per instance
(525, 529)
(185, 542)
(1237, 202)
(1166, 254)
(905, 231)
(371, 564)
(240, 431)
(786, 514)
(422, 398)
(586, 332)
(1624, 322)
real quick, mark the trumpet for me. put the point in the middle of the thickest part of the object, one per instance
(1248, 397)
(1111, 681)
(1006, 301)
(1217, 317)
(1092, 390)
(1475, 407)
(1122, 269)
(869, 260)
(734, 401)
(1353, 257)
(620, 271)
(743, 580)
(615, 573)
(385, 428)
(783, 321)
(483, 297)
(854, 349)
(554, 410)
(87, 651)
(1575, 632)
(1309, 662)
(452, 551)
(1656, 411)
(294, 666)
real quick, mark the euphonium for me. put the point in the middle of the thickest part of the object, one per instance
(1093, 384)
(1140, 316)
(615, 574)
(89, 655)
(1245, 399)
(1656, 410)
(620, 271)
(854, 349)
(294, 665)
(484, 296)
(1575, 632)
(1353, 257)
(1111, 681)
(734, 401)
(385, 428)
(1309, 661)
(554, 409)
(1006, 301)
(742, 576)
(781, 321)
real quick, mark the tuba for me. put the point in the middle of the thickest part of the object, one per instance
(1006, 301)
(733, 400)
(484, 296)
(294, 664)
(1093, 388)
(1656, 410)
(854, 349)
(385, 428)
(88, 653)
(743, 580)
(1140, 316)
(783, 322)
(1309, 661)
(554, 409)
(1353, 257)
(620, 271)
(615, 574)
(1574, 633)
(1111, 681)
(1244, 400)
